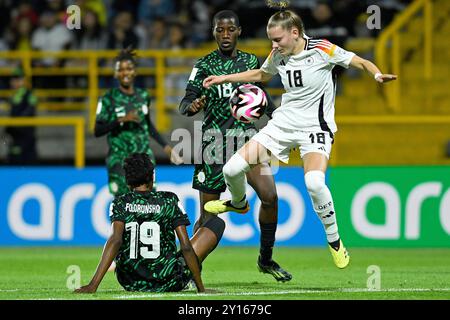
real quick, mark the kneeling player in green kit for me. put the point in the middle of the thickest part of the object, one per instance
(143, 238)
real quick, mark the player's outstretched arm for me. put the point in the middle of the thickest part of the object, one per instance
(371, 68)
(255, 75)
(189, 256)
(110, 251)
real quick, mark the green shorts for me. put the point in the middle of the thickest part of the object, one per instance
(140, 279)
(209, 178)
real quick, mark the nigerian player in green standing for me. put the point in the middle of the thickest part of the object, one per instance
(208, 177)
(123, 114)
(142, 241)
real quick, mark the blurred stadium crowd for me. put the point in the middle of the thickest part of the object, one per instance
(40, 25)
(161, 24)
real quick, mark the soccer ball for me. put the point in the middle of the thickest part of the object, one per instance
(248, 103)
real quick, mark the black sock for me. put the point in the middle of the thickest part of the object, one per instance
(230, 204)
(335, 244)
(267, 241)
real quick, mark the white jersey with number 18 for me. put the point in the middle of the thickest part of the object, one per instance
(308, 103)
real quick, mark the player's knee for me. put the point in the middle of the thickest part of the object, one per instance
(227, 170)
(315, 181)
(216, 225)
(235, 166)
(269, 199)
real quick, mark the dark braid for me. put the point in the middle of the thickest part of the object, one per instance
(138, 169)
(126, 54)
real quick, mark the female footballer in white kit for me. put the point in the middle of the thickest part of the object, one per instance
(304, 119)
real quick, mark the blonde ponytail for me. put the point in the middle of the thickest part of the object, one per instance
(286, 19)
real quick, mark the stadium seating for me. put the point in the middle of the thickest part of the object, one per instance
(365, 137)
(412, 142)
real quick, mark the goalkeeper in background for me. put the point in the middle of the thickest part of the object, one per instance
(123, 114)
(143, 239)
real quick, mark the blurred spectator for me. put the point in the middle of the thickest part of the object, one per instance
(50, 36)
(22, 149)
(151, 9)
(117, 6)
(20, 34)
(98, 6)
(323, 24)
(200, 14)
(197, 14)
(177, 37)
(121, 34)
(157, 37)
(59, 8)
(347, 12)
(25, 10)
(91, 36)
(176, 82)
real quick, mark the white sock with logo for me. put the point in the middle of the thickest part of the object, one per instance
(234, 173)
(322, 202)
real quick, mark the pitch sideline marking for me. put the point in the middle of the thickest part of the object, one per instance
(256, 293)
(348, 290)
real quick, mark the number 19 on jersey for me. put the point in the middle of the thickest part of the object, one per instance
(141, 237)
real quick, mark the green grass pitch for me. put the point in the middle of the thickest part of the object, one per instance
(41, 273)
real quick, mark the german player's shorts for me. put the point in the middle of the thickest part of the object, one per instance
(208, 178)
(280, 141)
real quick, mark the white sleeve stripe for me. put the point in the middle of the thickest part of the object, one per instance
(193, 74)
(323, 44)
(99, 106)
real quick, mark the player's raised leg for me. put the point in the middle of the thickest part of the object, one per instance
(205, 215)
(261, 180)
(234, 172)
(206, 238)
(315, 166)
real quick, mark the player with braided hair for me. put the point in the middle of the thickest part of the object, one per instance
(123, 115)
(143, 238)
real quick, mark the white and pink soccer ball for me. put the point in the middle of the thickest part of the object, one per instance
(248, 103)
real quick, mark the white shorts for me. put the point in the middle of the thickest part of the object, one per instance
(280, 141)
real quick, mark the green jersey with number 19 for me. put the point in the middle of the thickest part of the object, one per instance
(147, 259)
